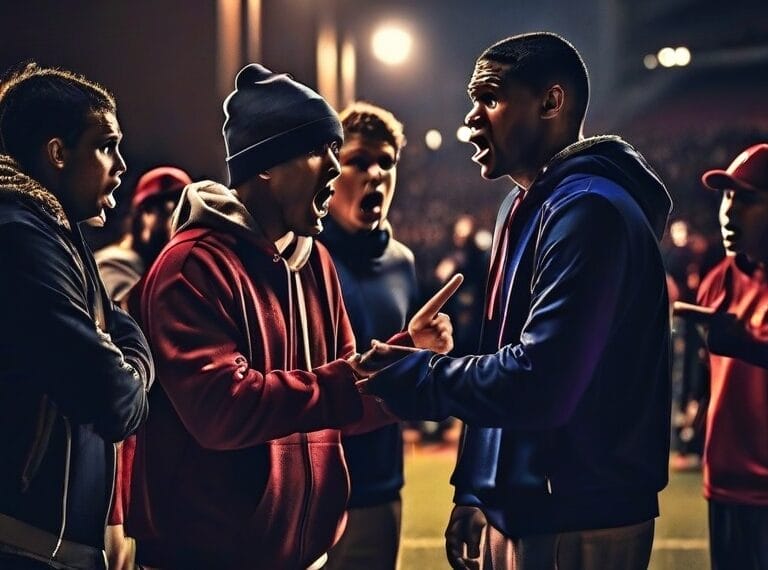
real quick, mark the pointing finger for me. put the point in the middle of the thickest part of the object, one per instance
(430, 309)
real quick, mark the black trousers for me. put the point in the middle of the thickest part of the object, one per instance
(738, 536)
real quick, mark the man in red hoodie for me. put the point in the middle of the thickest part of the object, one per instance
(736, 445)
(240, 465)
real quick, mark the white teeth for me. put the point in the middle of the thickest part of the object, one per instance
(322, 210)
(109, 201)
(480, 154)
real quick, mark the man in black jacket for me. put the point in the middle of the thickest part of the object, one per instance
(75, 369)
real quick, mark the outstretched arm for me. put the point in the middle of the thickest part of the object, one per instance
(224, 399)
(538, 381)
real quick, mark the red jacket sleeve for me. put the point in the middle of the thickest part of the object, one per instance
(192, 311)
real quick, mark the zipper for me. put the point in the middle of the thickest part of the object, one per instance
(68, 430)
(307, 494)
(112, 489)
(295, 344)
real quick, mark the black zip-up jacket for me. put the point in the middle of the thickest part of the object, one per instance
(74, 371)
(567, 405)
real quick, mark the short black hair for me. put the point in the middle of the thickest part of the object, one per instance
(39, 103)
(373, 122)
(541, 59)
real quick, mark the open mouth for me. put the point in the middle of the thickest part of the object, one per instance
(371, 205)
(483, 148)
(322, 201)
(109, 201)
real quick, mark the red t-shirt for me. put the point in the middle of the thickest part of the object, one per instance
(736, 446)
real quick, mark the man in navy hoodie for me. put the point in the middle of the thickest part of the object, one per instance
(378, 281)
(567, 403)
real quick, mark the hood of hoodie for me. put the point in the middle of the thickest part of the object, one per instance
(14, 183)
(208, 204)
(612, 158)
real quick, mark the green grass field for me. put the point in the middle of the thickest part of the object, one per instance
(681, 531)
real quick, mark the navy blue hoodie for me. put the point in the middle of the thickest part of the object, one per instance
(567, 406)
(378, 282)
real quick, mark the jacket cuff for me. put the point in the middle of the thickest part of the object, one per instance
(402, 338)
(466, 499)
(337, 384)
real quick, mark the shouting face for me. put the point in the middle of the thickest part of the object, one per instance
(302, 189)
(366, 186)
(505, 122)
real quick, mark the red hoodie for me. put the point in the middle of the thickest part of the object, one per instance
(235, 467)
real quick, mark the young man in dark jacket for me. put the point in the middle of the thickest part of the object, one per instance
(240, 464)
(75, 369)
(567, 406)
(378, 280)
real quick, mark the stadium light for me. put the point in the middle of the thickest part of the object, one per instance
(391, 44)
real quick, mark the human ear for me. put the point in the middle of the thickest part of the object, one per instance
(553, 101)
(55, 153)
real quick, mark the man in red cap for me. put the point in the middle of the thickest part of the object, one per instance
(736, 448)
(123, 263)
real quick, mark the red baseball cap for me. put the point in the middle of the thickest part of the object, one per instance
(748, 172)
(158, 181)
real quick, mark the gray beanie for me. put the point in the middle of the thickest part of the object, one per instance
(270, 119)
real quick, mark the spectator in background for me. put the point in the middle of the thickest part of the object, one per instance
(469, 257)
(122, 264)
(736, 448)
(75, 369)
(378, 281)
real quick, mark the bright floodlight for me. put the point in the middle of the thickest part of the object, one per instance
(463, 133)
(682, 56)
(667, 57)
(650, 61)
(391, 45)
(433, 139)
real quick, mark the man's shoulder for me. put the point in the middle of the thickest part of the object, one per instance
(202, 245)
(400, 251)
(581, 184)
(28, 227)
(715, 282)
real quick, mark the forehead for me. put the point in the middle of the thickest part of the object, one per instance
(357, 144)
(101, 124)
(487, 74)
